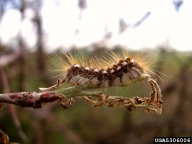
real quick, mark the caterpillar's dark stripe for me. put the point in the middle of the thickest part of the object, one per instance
(120, 73)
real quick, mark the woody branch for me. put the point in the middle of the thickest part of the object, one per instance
(28, 99)
(36, 99)
(64, 95)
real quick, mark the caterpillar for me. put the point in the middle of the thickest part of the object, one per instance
(90, 72)
(109, 71)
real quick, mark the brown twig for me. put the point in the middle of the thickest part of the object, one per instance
(11, 107)
(17, 123)
(4, 139)
(29, 99)
(64, 95)
(151, 103)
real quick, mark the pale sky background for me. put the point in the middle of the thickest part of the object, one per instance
(61, 21)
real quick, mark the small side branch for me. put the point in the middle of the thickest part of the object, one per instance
(151, 103)
(129, 103)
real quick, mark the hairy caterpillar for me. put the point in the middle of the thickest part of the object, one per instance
(112, 70)
(89, 72)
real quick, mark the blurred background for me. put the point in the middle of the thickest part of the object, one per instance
(31, 31)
